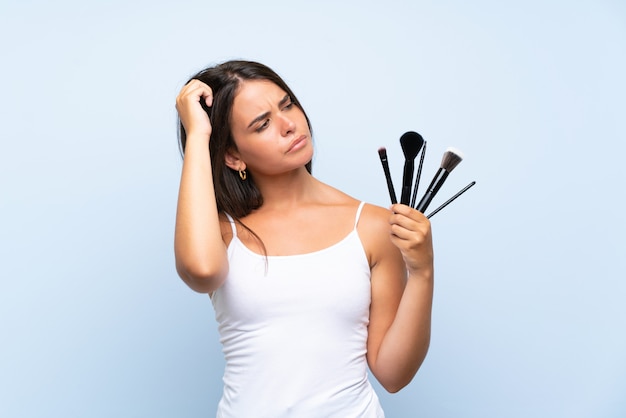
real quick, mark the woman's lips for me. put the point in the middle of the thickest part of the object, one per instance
(297, 143)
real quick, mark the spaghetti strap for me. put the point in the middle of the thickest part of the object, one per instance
(358, 214)
(232, 224)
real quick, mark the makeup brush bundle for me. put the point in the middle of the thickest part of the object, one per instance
(412, 143)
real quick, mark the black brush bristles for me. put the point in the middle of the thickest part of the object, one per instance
(411, 143)
(382, 153)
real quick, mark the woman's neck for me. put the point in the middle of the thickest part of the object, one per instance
(287, 190)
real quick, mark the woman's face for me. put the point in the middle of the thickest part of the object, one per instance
(271, 133)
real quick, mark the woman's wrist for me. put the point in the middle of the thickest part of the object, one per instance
(197, 138)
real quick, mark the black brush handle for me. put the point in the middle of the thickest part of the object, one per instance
(432, 190)
(419, 174)
(385, 164)
(407, 182)
(392, 192)
(463, 190)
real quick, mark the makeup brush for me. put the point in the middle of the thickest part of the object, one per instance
(463, 190)
(411, 143)
(451, 158)
(382, 153)
(419, 174)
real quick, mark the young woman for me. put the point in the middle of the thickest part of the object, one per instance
(310, 286)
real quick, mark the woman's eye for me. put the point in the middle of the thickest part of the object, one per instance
(263, 125)
(288, 105)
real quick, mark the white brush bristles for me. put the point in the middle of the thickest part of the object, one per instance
(451, 158)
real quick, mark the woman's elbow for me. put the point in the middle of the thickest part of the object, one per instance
(202, 278)
(395, 385)
(394, 377)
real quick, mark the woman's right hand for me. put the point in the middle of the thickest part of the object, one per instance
(193, 117)
(201, 257)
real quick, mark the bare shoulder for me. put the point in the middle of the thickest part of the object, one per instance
(374, 219)
(374, 231)
(334, 196)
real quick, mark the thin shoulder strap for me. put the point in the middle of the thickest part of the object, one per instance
(358, 214)
(232, 224)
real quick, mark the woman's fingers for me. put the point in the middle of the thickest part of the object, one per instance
(193, 117)
(411, 233)
(406, 221)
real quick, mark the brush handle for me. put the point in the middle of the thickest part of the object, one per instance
(407, 179)
(463, 190)
(432, 190)
(419, 174)
(392, 192)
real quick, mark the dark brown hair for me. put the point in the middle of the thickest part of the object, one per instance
(236, 197)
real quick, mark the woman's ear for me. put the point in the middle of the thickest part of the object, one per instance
(234, 161)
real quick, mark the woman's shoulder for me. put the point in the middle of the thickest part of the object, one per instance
(371, 213)
(333, 195)
(374, 231)
(374, 218)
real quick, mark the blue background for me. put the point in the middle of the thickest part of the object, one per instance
(529, 314)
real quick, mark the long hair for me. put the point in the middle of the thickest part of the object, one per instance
(236, 197)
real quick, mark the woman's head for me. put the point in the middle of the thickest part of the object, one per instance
(233, 195)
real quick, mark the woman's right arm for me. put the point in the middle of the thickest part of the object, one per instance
(200, 252)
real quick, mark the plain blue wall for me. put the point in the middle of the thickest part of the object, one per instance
(529, 315)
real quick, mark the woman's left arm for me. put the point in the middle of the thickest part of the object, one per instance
(402, 295)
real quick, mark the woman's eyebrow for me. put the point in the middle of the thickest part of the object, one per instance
(259, 118)
(284, 100)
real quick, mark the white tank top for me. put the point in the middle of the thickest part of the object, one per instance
(294, 333)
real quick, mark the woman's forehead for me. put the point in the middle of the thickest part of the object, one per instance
(254, 96)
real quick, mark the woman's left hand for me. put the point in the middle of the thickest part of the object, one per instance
(411, 233)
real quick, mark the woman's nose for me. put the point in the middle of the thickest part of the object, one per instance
(288, 125)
